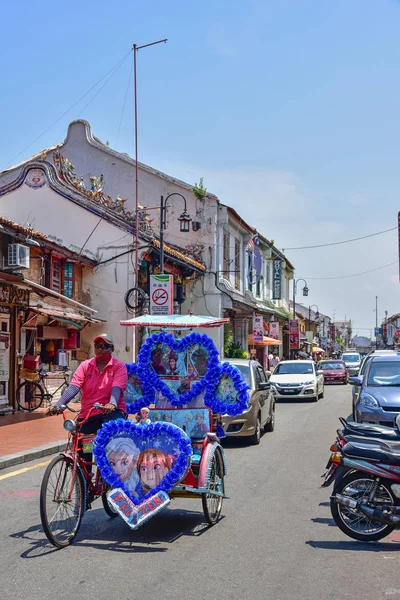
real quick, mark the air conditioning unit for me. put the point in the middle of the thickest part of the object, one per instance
(18, 256)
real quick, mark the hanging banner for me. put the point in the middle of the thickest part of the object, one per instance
(277, 279)
(4, 356)
(274, 330)
(294, 334)
(258, 334)
(161, 294)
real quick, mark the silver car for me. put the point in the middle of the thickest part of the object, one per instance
(356, 389)
(261, 413)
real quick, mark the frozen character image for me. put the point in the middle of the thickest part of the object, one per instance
(143, 416)
(133, 390)
(162, 402)
(167, 417)
(122, 454)
(158, 360)
(155, 416)
(152, 466)
(172, 362)
(200, 428)
(186, 420)
(198, 359)
(226, 390)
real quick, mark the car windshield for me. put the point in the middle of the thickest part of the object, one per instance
(384, 373)
(351, 357)
(245, 372)
(331, 366)
(285, 368)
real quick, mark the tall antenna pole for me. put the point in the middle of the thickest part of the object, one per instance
(135, 50)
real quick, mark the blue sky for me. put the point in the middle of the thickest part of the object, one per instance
(289, 109)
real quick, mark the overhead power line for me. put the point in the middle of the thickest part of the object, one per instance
(112, 70)
(364, 237)
(356, 274)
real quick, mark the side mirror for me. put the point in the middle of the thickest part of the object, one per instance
(263, 386)
(268, 374)
(320, 372)
(355, 381)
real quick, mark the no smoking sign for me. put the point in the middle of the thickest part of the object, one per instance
(161, 294)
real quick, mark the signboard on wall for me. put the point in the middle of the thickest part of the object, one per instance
(258, 335)
(274, 330)
(4, 356)
(294, 334)
(277, 279)
(161, 294)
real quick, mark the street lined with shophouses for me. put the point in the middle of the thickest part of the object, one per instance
(276, 538)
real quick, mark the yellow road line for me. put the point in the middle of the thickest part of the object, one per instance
(24, 470)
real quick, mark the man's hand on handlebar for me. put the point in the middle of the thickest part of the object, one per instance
(108, 408)
(56, 410)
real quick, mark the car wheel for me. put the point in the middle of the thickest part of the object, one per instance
(256, 437)
(270, 426)
(322, 393)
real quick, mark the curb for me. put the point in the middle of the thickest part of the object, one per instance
(9, 460)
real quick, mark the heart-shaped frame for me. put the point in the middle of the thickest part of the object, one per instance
(152, 381)
(232, 403)
(175, 440)
(134, 395)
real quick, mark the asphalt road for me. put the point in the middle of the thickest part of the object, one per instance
(276, 539)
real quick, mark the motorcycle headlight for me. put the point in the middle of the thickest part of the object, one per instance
(368, 400)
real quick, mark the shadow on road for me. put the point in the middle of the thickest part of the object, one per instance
(357, 546)
(98, 531)
(324, 521)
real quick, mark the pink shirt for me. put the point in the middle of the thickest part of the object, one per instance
(96, 386)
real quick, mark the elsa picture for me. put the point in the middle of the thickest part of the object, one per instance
(226, 390)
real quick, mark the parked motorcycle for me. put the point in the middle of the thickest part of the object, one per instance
(365, 503)
(359, 433)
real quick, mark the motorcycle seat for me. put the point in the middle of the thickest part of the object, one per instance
(368, 430)
(384, 443)
(376, 453)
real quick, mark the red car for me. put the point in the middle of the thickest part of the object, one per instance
(335, 371)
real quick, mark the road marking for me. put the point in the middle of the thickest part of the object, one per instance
(13, 473)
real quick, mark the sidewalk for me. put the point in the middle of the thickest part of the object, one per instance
(28, 436)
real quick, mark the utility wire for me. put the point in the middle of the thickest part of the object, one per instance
(115, 67)
(123, 107)
(343, 242)
(355, 274)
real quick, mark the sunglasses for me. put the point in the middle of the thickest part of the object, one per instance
(102, 346)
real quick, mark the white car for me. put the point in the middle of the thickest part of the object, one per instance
(297, 379)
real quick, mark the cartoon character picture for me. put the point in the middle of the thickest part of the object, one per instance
(186, 420)
(133, 390)
(200, 428)
(172, 362)
(143, 416)
(226, 390)
(122, 454)
(158, 359)
(155, 416)
(167, 417)
(198, 357)
(152, 466)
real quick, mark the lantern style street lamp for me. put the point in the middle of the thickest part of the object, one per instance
(184, 221)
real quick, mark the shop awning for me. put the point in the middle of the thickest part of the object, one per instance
(267, 341)
(65, 314)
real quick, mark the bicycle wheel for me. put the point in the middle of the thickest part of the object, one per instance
(62, 501)
(107, 507)
(212, 504)
(29, 395)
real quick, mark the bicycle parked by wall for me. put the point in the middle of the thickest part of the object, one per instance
(32, 392)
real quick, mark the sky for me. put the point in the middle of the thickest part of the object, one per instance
(289, 110)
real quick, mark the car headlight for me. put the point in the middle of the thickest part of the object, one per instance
(308, 382)
(368, 400)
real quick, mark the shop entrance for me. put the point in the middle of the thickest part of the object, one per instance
(4, 358)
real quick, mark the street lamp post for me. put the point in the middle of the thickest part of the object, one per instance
(184, 220)
(305, 293)
(309, 315)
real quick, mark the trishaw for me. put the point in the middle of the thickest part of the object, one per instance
(174, 453)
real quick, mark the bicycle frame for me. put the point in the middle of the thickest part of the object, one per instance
(72, 453)
(47, 395)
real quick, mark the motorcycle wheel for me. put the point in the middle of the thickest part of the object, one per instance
(352, 522)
